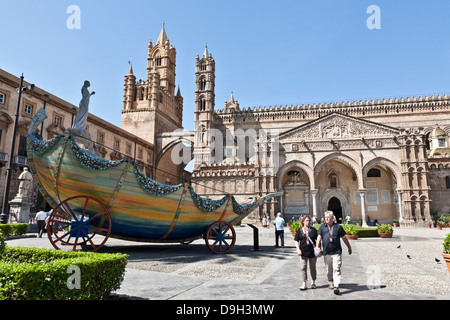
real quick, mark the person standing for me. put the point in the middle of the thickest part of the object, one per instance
(40, 220)
(305, 241)
(329, 237)
(279, 229)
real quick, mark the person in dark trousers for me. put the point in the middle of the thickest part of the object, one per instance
(329, 237)
(305, 241)
(41, 215)
(279, 229)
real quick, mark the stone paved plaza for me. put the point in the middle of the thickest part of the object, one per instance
(377, 269)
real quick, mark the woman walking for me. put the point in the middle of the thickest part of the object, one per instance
(305, 241)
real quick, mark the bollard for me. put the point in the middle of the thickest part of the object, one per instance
(255, 238)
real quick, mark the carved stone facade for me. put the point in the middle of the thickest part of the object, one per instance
(367, 159)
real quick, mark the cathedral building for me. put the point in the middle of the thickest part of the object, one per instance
(380, 159)
(373, 160)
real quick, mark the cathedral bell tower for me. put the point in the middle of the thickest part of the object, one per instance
(151, 106)
(204, 108)
(163, 57)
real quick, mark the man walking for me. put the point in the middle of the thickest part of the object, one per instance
(40, 220)
(331, 233)
(279, 229)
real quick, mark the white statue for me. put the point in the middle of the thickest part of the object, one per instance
(25, 185)
(80, 120)
(20, 205)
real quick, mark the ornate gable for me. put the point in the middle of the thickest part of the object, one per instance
(336, 126)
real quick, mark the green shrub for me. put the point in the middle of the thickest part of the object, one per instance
(6, 229)
(18, 229)
(2, 243)
(350, 229)
(446, 244)
(295, 225)
(367, 232)
(14, 229)
(43, 274)
(385, 228)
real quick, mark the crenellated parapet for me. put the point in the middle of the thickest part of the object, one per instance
(378, 107)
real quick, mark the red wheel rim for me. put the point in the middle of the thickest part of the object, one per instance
(75, 221)
(220, 237)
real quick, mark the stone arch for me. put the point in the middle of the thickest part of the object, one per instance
(292, 165)
(296, 190)
(170, 145)
(345, 159)
(334, 193)
(395, 169)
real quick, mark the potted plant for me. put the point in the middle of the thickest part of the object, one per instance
(385, 230)
(295, 225)
(358, 223)
(446, 253)
(395, 223)
(439, 224)
(351, 231)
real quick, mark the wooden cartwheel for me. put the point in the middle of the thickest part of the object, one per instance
(75, 221)
(220, 237)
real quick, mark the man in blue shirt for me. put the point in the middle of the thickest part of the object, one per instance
(331, 234)
(279, 229)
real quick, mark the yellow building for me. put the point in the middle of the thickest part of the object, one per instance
(111, 141)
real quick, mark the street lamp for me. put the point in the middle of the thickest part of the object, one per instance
(42, 124)
(4, 216)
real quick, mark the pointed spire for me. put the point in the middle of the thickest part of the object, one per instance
(232, 97)
(130, 71)
(205, 53)
(162, 39)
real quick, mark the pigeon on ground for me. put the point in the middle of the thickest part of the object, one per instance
(437, 260)
(408, 256)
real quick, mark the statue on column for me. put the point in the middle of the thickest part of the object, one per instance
(82, 136)
(81, 118)
(25, 185)
(20, 205)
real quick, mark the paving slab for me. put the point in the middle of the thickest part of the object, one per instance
(377, 269)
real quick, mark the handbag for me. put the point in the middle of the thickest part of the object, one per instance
(316, 252)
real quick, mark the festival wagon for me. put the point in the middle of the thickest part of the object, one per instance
(94, 199)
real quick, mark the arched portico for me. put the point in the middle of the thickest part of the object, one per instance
(344, 159)
(388, 186)
(295, 180)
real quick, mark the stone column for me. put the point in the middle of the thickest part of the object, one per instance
(400, 205)
(314, 202)
(362, 194)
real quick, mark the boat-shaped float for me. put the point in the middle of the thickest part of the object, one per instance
(92, 196)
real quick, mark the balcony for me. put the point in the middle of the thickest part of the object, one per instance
(3, 159)
(20, 161)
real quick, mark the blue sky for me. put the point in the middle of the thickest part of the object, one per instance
(267, 52)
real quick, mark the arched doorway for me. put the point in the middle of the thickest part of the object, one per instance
(335, 205)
